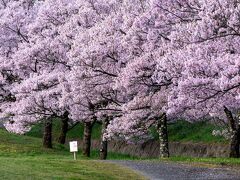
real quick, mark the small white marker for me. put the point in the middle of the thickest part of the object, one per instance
(74, 148)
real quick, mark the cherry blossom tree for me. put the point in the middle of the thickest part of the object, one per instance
(148, 40)
(97, 56)
(15, 17)
(83, 96)
(205, 72)
(38, 61)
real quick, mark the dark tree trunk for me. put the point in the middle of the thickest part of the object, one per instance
(47, 135)
(104, 142)
(163, 136)
(235, 134)
(64, 128)
(87, 138)
(234, 144)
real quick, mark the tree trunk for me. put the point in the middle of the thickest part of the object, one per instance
(87, 138)
(235, 134)
(104, 142)
(163, 136)
(234, 144)
(64, 128)
(47, 135)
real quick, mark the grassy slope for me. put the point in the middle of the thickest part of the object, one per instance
(76, 132)
(181, 131)
(22, 157)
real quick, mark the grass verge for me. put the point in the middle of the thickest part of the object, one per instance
(206, 162)
(61, 168)
(22, 157)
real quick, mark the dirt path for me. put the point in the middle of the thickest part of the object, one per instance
(176, 171)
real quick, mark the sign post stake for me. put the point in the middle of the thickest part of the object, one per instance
(74, 156)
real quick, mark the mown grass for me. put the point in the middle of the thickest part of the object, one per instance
(45, 168)
(22, 157)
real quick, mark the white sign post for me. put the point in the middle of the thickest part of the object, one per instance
(73, 148)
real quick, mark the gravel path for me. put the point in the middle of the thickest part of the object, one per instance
(172, 171)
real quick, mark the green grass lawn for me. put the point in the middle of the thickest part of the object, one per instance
(22, 157)
(58, 168)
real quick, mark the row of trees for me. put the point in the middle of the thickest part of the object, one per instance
(129, 64)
